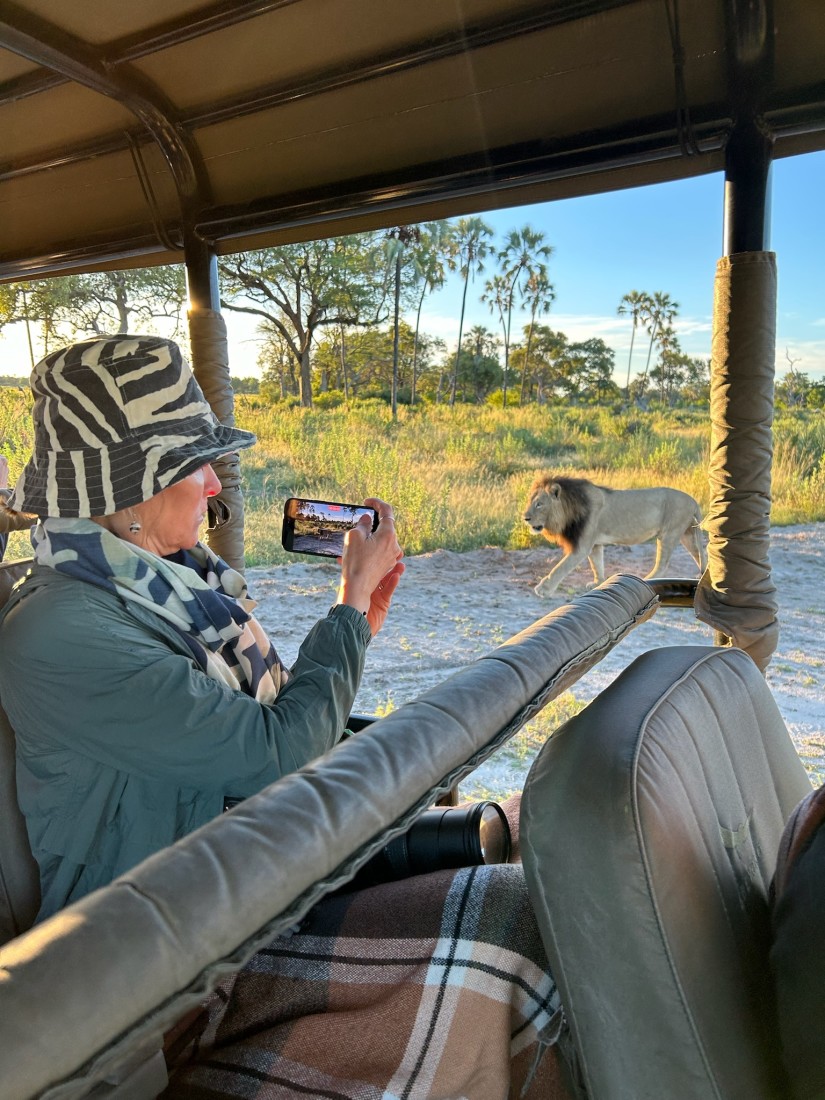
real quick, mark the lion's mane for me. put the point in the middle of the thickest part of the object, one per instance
(576, 506)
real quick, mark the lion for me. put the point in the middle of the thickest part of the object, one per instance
(583, 518)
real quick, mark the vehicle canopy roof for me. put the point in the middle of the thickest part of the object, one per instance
(128, 128)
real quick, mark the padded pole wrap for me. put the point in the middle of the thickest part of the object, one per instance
(736, 595)
(85, 990)
(210, 365)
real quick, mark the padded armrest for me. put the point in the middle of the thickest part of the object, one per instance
(113, 971)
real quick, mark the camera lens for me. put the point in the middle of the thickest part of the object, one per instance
(442, 838)
(493, 834)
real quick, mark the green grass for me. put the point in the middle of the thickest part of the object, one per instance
(518, 753)
(458, 478)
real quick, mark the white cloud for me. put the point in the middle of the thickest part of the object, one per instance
(694, 332)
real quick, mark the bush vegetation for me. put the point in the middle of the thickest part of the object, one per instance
(458, 477)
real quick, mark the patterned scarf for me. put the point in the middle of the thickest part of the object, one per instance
(194, 590)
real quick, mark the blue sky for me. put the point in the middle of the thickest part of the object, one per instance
(668, 238)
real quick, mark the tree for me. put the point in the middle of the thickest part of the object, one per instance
(14, 307)
(670, 371)
(277, 363)
(467, 251)
(250, 384)
(522, 255)
(793, 388)
(588, 371)
(398, 241)
(108, 301)
(696, 381)
(101, 303)
(636, 304)
(547, 361)
(479, 371)
(369, 361)
(297, 289)
(498, 295)
(430, 253)
(659, 311)
(538, 296)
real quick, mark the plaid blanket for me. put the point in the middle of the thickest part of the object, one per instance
(436, 986)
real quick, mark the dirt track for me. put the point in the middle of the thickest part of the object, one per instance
(452, 608)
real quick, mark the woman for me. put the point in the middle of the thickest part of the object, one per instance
(179, 706)
(146, 631)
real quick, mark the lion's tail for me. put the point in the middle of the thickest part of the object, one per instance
(698, 538)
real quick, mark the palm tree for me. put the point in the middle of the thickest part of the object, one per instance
(538, 295)
(636, 304)
(397, 241)
(659, 312)
(467, 252)
(669, 352)
(523, 255)
(429, 256)
(497, 293)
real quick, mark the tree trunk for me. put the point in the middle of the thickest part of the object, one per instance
(415, 347)
(460, 333)
(527, 351)
(629, 360)
(649, 353)
(344, 368)
(394, 395)
(306, 378)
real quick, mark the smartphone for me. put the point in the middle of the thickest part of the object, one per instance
(319, 526)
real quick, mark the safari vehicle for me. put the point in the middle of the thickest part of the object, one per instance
(135, 134)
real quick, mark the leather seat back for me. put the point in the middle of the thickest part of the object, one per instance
(650, 825)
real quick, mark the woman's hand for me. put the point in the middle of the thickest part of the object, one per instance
(371, 565)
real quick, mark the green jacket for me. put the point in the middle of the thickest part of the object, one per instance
(124, 744)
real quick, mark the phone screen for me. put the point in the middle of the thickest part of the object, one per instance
(319, 526)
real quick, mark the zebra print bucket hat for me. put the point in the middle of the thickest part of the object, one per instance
(116, 420)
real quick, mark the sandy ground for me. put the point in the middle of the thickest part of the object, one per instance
(452, 608)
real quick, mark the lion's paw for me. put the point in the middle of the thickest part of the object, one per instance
(545, 591)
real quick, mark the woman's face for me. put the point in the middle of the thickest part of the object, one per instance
(170, 521)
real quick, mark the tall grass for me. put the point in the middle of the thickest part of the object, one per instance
(458, 478)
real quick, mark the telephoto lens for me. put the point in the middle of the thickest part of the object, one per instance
(449, 836)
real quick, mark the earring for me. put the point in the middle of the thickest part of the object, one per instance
(134, 526)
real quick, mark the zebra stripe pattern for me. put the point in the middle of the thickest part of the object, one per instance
(117, 419)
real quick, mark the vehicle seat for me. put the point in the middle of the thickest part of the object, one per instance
(19, 881)
(650, 825)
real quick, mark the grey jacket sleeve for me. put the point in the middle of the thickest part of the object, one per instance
(140, 704)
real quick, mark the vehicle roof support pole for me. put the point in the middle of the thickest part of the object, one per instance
(736, 595)
(210, 363)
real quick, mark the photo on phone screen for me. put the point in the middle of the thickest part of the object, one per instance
(319, 526)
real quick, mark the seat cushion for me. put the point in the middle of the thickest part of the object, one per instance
(19, 879)
(797, 957)
(649, 829)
